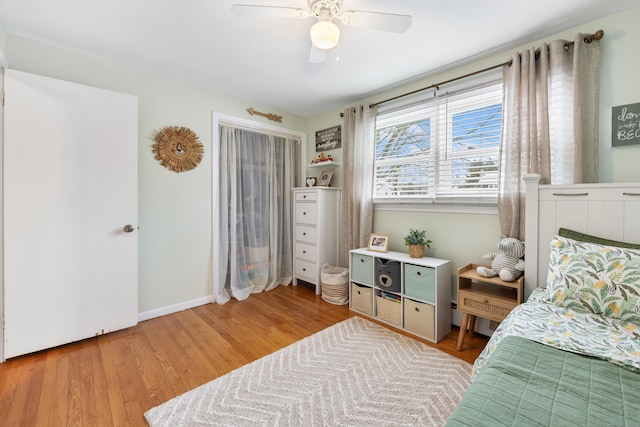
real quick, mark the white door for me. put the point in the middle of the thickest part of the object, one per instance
(70, 190)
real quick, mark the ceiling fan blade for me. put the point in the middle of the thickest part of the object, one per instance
(317, 55)
(377, 21)
(257, 11)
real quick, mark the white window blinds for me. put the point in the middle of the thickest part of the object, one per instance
(441, 149)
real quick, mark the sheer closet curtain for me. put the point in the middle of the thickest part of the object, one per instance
(550, 122)
(358, 155)
(252, 230)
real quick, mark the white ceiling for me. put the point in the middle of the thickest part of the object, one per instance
(265, 60)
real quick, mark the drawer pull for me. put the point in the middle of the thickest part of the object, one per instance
(418, 273)
(359, 293)
(571, 194)
(304, 213)
(361, 260)
(304, 196)
(304, 234)
(304, 269)
(304, 252)
(416, 309)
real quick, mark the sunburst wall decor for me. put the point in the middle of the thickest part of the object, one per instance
(178, 148)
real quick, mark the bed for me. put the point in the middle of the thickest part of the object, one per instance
(569, 355)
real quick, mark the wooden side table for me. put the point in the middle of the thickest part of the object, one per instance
(488, 297)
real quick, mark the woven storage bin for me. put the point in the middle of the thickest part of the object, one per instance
(388, 310)
(483, 305)
(335, 284)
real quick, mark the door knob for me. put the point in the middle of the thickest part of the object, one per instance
(128, 228)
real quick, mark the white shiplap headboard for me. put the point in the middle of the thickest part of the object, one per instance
(610, 211)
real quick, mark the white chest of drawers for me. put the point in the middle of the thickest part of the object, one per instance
(316, 212)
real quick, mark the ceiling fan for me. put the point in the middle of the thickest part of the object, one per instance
(325, 33)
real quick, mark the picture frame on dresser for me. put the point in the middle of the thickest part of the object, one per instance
(325, 178)
(378, 242)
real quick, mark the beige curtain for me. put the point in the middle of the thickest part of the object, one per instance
(358, 146)
(550, 122)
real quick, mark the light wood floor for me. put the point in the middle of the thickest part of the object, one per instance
(113, 379)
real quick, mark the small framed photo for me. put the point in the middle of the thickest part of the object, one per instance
(378, 242)
(325, 178)
(311, 181)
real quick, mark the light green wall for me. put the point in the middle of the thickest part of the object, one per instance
(175, 209)
(620, 68)
(3, 46)
(464, 238)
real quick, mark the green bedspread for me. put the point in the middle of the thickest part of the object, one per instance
(526, 383)
(563, 328)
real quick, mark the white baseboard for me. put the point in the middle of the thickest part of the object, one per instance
(163, 311)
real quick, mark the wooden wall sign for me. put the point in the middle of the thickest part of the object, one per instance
(328, 139)
(178, 148)
(625, 125)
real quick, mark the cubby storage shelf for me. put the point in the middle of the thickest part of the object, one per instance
(419, 304)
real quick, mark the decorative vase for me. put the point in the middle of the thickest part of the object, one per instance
(416, 251)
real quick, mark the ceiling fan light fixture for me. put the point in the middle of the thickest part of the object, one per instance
(325, 34)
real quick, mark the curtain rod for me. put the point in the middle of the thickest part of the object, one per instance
(587, 39)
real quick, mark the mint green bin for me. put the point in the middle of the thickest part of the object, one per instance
(362, 269)
(420, 283)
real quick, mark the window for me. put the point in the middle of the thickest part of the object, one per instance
(442, 149)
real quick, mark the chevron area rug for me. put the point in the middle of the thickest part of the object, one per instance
(354, 373)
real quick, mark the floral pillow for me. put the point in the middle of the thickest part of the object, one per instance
(588, 277)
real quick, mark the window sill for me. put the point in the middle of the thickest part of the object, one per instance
(478, 209)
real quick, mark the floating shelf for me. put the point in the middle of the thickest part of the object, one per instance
(329, 164)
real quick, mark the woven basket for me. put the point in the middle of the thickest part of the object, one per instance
(416, 251)
(335, 284)
(336, 294)
(388, 310)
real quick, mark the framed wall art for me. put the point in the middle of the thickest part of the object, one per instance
(329, 139)
(625, 126)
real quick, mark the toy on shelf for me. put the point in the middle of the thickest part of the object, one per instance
(322, 158)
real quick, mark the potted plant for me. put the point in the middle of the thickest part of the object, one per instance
(417, 240)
